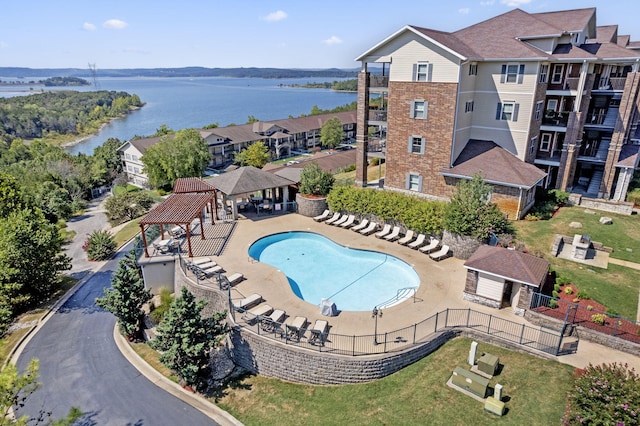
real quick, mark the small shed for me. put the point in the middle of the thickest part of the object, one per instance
(503, 278)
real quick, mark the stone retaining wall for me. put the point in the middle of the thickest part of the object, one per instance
(462, 247)
(217, 301)
(620, 207)
(311, 207)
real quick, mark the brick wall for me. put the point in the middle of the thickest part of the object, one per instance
(362, 135)
(437, 129)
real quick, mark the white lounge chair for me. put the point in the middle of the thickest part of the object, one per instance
(235, 278)
(295, 329)
(440, 254)
(333, 218)
(419, 242)
(254, 314)
(342, 220)
(206, 273)
(248, 302)
(323, 216)
(273, 322)
(349, 221)
(408, 237)
(394, 235)
(359, 227)
(433, 244)
(318, 332)
(370, 229)
(385, 231)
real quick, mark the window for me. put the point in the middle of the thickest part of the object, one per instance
(468, 106)
(538, 111)
(419, 109)
(127, 157)
(544, 73)
(512, 73)
(556, 75)
(533, 145)
(416, 145)
(552, 105)
(473, 69)
(130, 169)
(136, 170)
(414, 182)
(507, 111)
(545, 142)
(423, 71)
(134, 158)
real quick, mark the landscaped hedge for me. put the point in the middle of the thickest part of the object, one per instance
(415, 213)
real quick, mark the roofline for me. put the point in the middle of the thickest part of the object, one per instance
(413, 30)
(495, 182)
(502, 276)
(523, 38)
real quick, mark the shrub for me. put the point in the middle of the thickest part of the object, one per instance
(556, 287)
(555, 294)
(608, 394)
(583, 295)
(568, 290)
(598, 319)
(553, 303)
(100, 245)
(157, 312)
(562, 280)
(315, 181)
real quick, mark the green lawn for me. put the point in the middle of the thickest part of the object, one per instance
(416, 395)
(616, 287)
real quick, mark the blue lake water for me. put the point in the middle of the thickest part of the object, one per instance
(317, 268)
(195, 102)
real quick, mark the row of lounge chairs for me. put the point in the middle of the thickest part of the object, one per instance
(272, 320)
(205, 267)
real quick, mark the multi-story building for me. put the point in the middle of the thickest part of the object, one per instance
(523, 99)
(283, 137)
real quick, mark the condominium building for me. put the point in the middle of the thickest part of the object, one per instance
(523, 99)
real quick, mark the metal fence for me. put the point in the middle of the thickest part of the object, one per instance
(413, 335)
(587, 317)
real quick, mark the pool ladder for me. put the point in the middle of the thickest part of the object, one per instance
(401, 294)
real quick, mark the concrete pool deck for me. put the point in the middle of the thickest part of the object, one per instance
(442, 285)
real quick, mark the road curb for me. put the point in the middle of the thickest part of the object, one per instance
(196, 401)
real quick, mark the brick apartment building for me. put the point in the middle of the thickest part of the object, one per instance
(524, 99)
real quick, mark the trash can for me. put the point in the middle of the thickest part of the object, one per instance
(381, 183)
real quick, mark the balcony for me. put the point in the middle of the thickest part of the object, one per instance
(609, 83)
(378, 81)
(556, 119)
(377, 145)
(377, 115)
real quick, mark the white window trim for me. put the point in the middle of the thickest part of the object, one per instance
(519, 73)
(538, 111)
(555, 102)
(413, 109)
(500, 111)
(553, 73)
(408, 182)
(423, 143)
(549, 142)
(544, 73)
(533, 145)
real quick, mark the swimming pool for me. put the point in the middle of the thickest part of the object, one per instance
(317, 268)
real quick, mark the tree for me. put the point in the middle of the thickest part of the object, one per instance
(184, 154)
(256, 155)
(185, 339)
(471, 214)
(126, 206)
(315, 181)
(100, 245)
(126, 296)
(251, 119)
(163, 130)
(331, 133)
(106, 164)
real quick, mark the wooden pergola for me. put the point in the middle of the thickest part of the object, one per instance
(191, 196)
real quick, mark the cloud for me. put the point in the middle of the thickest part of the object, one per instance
(276, 16)
(464, 10)
(515, 3)
(487, 3)
(88, 26)
(114, 24)
(332, 40)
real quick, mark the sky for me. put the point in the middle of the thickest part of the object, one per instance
(242, 33)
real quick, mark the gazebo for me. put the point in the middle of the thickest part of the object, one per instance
(191, 196)
(248, 180)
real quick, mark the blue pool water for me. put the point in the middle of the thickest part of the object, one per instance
(317, 268)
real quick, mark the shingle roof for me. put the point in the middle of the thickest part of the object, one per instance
(192, 184)
(144, 143)
(509, 264)
(247, 180)
(606, 34)
(495, 164)
(628, 156)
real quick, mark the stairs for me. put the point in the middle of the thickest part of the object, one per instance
(594, 183)
(603, 149)
(611, 117)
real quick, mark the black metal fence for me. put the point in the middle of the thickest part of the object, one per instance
(398, 340)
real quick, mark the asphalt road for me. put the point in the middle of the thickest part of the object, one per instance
(81, 366)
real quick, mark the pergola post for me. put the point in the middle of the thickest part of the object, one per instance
(144, 241)
(189, 240)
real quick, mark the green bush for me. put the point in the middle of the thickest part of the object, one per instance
(553, 303)
(583, 295)
(634, 196)
(555, 294)
(315, 181)
(598, 319)
(568, 290)
(556, 287)
(100, 245)
(562, 280)
(158, 312)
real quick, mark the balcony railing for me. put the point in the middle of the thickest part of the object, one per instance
(556, 119)
(609, 83)
(377, 115)
(571, 83)
(597, 118)
(378, 81)
(377, 145)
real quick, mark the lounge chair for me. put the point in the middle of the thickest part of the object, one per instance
(340, 221)
(323, 216)
(359, 227)
(272, 322)
(318, 332)
(370, 229)
(207, 265)
(433, 244)
(349, 222)
(235, 278)
(394, 235)
(408, 237)
(333, 218)
(295, 329)
(248, 302)
(385, 231)
(206, 273)
(440, 254)
(419, 242)
(254, 314)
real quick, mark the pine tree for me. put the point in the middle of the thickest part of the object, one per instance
(186, 339)
(126, 296)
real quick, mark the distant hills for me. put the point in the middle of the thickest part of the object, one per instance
(19, 72)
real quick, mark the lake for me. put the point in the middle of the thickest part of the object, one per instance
(196, 102)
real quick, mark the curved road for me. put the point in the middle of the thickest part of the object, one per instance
(80, 364)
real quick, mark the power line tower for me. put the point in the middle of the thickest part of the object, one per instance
(92, 70)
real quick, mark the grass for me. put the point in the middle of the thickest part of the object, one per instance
(536, 390)
(372, 174)
(121, 189)
(616, 287)
(151, 357)
(128, 231)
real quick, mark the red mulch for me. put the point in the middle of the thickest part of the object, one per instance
(580, 313)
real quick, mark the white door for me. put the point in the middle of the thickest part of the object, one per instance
(515, 295)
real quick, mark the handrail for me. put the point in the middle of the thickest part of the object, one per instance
(395, 299)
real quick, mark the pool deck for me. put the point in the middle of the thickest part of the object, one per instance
(442, 285)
